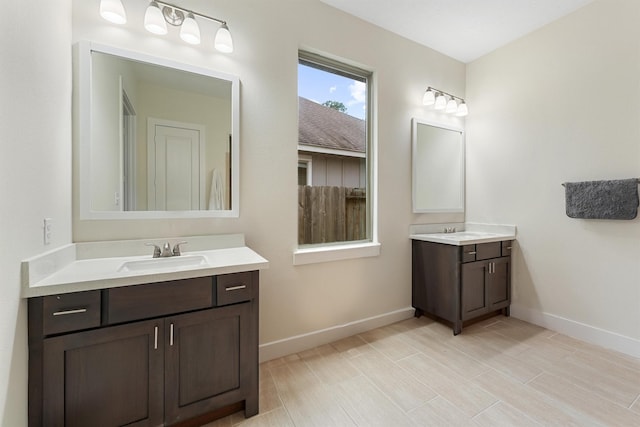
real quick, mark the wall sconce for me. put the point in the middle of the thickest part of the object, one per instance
(438, 98)
(160, 13)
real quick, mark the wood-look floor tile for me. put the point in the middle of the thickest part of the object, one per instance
(439, 412)
(613, 356)
(534, 404)
(329, 365)
(498, 372)
(398, 384)
(448, 355)
(275, 418)
(585, 401)
(503, 414)
(470, 398)
(479, 348)
(351, 346)
(387, 342)
(368, 406)
(308, 401)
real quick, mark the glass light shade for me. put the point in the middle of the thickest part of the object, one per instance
(429, 98)
(189, 31)
(452, 106)
(441, 102)
(223, 41)
(462, 110)
(113, 11)
(154, 21)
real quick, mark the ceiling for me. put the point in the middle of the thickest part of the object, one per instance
(462, 29)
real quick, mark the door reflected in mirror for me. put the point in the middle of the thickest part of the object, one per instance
(157, 139)
(438, 167)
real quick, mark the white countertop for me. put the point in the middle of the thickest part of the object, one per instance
(469, 234)
(60, 271)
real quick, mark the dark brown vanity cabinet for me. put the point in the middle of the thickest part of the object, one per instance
(153, 355)
(460, 283)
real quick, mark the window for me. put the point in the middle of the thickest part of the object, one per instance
(334, 134)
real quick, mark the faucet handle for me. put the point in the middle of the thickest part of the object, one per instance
(156, 249)
(176, 248)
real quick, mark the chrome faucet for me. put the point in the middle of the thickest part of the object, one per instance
(166, 251)
(449, 229)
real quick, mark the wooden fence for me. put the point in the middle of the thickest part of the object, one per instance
(331, 214)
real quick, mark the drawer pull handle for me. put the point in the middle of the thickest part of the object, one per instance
(65, 312)
(509, 247)
(471, 253)
(155, 338)
(235, 288)
(171, 334)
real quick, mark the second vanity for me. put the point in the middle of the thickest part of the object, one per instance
(151, 344)
(458, 276)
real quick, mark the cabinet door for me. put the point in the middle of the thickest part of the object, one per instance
(474, 289)
(203, 351)
(499, 286)
(106, 377)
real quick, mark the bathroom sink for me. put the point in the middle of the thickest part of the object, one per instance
(464, 237)
(163, 264)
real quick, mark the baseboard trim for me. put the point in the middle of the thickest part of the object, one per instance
(298, 343)
(581, 331)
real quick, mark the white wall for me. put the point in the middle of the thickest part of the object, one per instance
(35, 168)
(296, 300)
(562, 104)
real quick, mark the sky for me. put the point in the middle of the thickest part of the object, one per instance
(320, 86)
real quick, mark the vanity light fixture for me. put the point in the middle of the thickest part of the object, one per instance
(113, 11)
(445, 101)
(160, 13)
(441, 102)
(154, 21)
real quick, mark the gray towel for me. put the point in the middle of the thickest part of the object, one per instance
(615, 199)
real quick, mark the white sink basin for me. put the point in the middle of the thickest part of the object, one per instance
(464, 237)
(164, 264)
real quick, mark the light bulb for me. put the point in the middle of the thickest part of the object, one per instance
(113, 11)
(429, 97)
(223, 41)
(452, 106)
(189, 31)
(441, 102)
(462, 110)
(154, 21)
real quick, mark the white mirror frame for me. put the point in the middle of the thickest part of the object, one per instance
(418, 169)
(83, 115)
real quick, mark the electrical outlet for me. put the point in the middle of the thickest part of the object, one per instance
(47, 231)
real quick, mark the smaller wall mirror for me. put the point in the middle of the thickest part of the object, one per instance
(157, 138)
(438, 167)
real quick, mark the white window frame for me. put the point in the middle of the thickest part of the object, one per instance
(305, 158)
(337, 251)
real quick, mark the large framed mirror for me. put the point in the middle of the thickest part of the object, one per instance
(156, 138)
(438, 167)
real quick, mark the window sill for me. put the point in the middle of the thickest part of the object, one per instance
(318, 254)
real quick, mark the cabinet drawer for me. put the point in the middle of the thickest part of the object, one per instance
(506, 247)
(468, 253)
(488, 250)
(158, 299)
(70, 312)
(234, 288)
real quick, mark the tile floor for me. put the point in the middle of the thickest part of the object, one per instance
(499, 372)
